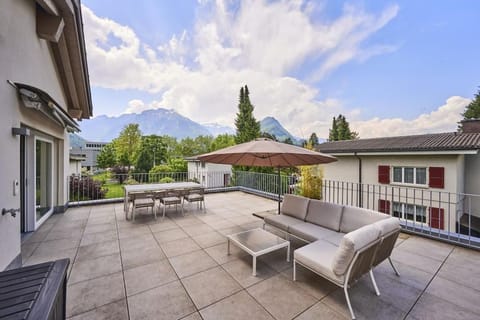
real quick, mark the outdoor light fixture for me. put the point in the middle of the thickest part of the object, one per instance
(21, 132)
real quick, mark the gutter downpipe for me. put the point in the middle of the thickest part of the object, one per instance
(360, 186)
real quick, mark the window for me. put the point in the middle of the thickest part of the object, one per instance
(410, 212)
(410, 175)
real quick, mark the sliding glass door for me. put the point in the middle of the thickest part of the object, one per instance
(43, 180)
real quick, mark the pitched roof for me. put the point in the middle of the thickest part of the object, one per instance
(450, 141)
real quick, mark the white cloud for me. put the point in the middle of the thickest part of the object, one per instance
(443, 119)
(259, 43)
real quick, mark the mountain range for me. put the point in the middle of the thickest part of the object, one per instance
(166, 122)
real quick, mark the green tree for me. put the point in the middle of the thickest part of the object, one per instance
(313, 139)
(172, 148)
(152, 150)
(267, 135)
(288, 141)
(341, 130)
(248, 128)
(127, 145)
(107, 157)
(222, 141)
(472, 111)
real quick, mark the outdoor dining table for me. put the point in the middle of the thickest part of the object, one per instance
(155, 187)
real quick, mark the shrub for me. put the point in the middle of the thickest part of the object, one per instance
(85, 188)
(167, 180)
(311, 182)
(120, 173)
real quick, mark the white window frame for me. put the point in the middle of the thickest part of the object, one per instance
(404, 214)
(49, 213)
(425, 185)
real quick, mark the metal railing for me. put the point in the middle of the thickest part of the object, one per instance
(453, 217)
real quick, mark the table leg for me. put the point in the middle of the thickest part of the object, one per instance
(228, 246)
(288, 252)
(254, 273)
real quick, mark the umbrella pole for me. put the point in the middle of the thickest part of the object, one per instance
(279, 188)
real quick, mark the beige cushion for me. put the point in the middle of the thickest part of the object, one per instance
(295, 206)
(318, 256)
(387, 226)
(354, 218)
(351, 243)
(309, 231)
(324, 214)
(281, 221)
(335, 238)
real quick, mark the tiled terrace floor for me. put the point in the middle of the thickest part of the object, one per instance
(178, 269)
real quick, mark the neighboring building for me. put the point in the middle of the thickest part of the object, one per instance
(44, 85)
(432, 179)
(75, 164)
(90, 150)
(210, 175)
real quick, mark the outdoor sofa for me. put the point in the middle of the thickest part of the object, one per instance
(344, 242)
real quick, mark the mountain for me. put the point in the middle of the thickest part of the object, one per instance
(215, 129)
(272, 126)
(76, 141)
(158, 121)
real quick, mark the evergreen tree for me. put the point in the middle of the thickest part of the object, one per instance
(472, 111)
(341, 130)
(313, 139)
(152, 151)
(248, 128)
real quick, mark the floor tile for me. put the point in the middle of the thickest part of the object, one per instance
(281, 297)
(141, 256)
(179, 247)
(240, 306)
(431, 307)
(421, 262)
(220, 255)
(87, 295)
(192, 263)
(92, 238)
(241, 270)
(94, 228)
(311, 282)
(210, 286)
(112, 311)
(166, 302)
(97, 250)
(209, 239)
(197, 229)
(148, 276)
(93, 268)
(170, 235)
(462, 296)
(321, 311)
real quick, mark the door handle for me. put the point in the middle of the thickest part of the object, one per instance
(12, 211)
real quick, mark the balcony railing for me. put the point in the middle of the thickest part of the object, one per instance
(453, 217)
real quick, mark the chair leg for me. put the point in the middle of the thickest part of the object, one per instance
(374, 282)
(345, 289)
(163, 212)
(294, 270)
(394, 269)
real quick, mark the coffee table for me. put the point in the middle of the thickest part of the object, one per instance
(257, 242)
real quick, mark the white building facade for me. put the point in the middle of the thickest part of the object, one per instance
(44, 86)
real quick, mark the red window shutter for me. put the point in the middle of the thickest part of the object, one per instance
(437, 217)
(384, 206)
(436, 177)
(384, 174)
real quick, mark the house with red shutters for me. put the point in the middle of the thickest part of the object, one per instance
(430, 181)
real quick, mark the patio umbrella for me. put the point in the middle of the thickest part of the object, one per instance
(263, 152)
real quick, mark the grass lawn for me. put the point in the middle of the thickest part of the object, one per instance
(115, 190)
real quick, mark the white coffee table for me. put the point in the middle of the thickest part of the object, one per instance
(257, 242)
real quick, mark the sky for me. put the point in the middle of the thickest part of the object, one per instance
(391, 67)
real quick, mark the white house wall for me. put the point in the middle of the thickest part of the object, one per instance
(341, 183)
(27, 59)
(472, 184)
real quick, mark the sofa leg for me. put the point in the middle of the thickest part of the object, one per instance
(374, 283)
(294, 270)
(345, 289)
(394, 269)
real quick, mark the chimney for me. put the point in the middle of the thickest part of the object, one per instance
(470, 125)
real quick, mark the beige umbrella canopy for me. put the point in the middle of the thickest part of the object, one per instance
(264, 152)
